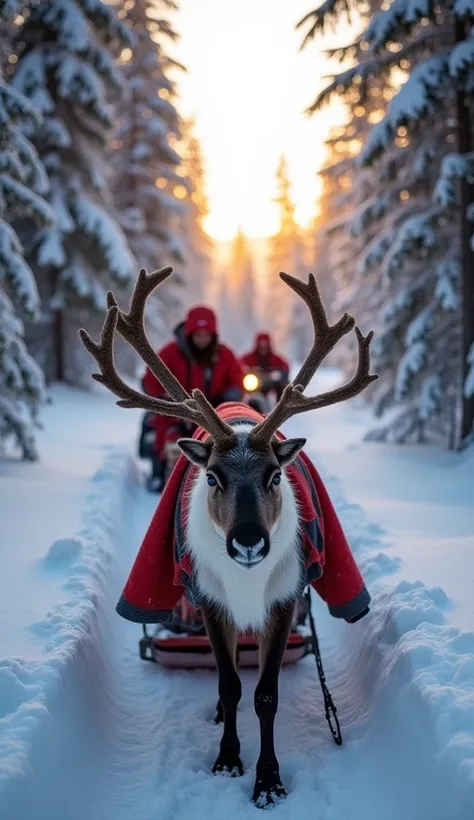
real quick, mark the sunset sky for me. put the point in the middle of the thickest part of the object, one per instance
(247, 87)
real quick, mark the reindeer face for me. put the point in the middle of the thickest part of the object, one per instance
(244, 492)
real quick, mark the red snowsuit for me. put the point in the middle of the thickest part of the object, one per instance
(269, 362)
(220, 378)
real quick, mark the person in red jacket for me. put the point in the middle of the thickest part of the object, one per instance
(198, 360)
(266, 360)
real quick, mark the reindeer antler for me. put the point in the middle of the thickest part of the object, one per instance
(131, 327)
(326, 337)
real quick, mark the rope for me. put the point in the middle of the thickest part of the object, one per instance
(331, 710)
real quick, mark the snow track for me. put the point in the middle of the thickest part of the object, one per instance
(131, 741)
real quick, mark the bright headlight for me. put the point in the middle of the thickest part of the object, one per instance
(250, 382)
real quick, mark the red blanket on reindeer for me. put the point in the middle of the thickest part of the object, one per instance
(162, 572)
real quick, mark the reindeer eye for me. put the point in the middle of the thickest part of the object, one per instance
(276, 478)
(211, 480)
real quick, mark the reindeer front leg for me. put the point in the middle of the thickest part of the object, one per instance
(268, 786)
(223, 638)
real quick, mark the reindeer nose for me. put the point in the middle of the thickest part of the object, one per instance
(248, 544)
(248, 556)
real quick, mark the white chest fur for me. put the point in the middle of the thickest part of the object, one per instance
(246, 594)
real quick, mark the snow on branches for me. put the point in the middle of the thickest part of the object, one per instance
(454, 166)
(71, 82)
(396, 248)
(151, 187)
(67, 68)
(392, 23)
(415, 99)
(23, 183)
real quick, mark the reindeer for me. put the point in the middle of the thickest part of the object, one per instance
(242, 527)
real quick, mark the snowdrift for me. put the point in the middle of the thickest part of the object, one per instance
(424, 680)
(50, 709)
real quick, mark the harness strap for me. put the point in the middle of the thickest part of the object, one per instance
(331, 710)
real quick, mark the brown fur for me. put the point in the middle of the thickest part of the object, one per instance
(222, 507)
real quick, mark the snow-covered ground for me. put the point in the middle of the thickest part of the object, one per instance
(43, 502)
(89, 731)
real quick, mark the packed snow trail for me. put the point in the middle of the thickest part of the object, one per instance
(87, 730)
(155, 741)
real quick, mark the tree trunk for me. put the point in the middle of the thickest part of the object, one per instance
(58, 345)
(467, 255)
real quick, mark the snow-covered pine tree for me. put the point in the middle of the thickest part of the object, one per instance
(352, 207)
(238, 297)
(286, 253)
(248, 312)
(23, 184)
(66, 67)
(331, 249)
(320, 245)
(422, 238)
(198, 244)
(220, 301)
(149, 187)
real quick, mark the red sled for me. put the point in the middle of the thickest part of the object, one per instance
(195, 651)
(188, 647)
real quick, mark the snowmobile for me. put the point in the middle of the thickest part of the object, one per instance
(146, 443)
(146, 450)
(261, 389)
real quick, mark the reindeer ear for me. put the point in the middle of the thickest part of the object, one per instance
(286, 451)
(197, 452)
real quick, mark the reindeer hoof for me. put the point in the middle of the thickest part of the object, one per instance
(228, 764)
(268, 789)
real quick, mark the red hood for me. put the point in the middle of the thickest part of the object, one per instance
(263, 337)
(200, 318)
